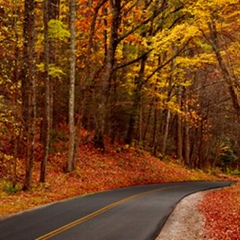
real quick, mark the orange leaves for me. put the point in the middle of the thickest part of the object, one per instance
(120, 166)
(222, 212)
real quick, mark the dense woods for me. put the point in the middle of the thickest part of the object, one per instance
(162, 75)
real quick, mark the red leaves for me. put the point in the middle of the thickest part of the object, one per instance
(222, 211)
(120, 166)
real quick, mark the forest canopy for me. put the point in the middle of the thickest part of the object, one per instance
(162, 75)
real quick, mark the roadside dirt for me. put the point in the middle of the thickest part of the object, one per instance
(185, 222)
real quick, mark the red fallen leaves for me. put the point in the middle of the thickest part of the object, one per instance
(222, 212)
(96, 171)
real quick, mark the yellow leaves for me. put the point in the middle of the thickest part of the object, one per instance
(54, 70)
(177, 36)
(58, 30)
(206, 47)
(129, 86)
(222, 148)
(204, 11)
(196, 61)
(63, 8)
(162, 99)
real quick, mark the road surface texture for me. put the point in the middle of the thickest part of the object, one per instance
(135, 213)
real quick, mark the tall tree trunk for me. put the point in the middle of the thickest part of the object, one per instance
(154, 137)
(87, 73)
(106, 75)
(186, 136)
(53, 13)
(47, 117)
(29, 88)
(134, 115)
(179, 128)
(232, 83)
(16, 96)
(148, 121)
(71, 159)
(166, 130)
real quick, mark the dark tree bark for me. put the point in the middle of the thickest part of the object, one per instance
(28, 88)
(179, 128)
(134, 116)
(106, 75)
(47, 117)
(53, 13)
(231, 81)
(186, 135)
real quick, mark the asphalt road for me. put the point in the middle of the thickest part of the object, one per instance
(133, 213)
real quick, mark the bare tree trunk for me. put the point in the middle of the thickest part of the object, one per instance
(147, 122)
(134, 116)
(71, 159)
(16, 96)
(154, 137)
(186, 137)
(29, 88)
(179, 128)
(88, 73)
(165, 137)
(53, 13)
(107, 74)
(47, 118)
(232, 83)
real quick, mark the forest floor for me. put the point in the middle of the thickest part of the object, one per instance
(121, 166)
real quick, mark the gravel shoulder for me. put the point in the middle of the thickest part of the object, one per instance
(185, 222)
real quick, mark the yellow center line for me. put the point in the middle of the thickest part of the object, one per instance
(95, 213)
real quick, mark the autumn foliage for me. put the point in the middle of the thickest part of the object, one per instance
(120, 166)
(159, 76)
(222, 212)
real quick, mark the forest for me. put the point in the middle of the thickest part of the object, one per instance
(160, 75)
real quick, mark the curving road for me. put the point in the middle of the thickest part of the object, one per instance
(134, 213)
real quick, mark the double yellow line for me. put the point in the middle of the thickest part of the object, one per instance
(94, 214)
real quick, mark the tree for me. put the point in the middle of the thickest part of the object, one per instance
(71, 159)
(47, 116)
(161, 74)
(29, 88)
(218, 34)
(106, 74)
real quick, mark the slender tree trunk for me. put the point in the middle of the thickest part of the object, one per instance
(179, 128)
(147, 122)
(186, 137)
(165, 137)
(107, 75)
(71, 160)
(232, 83)
(16, 96)
(47, 118)
(154, 138)
(88, 73)
(134, 116)
(53, 13)
(201, 163)
(29, 88)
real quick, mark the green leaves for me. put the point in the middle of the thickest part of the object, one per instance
(57, 30)
(54, 71)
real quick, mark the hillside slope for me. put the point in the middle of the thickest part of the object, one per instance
(96, 171)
